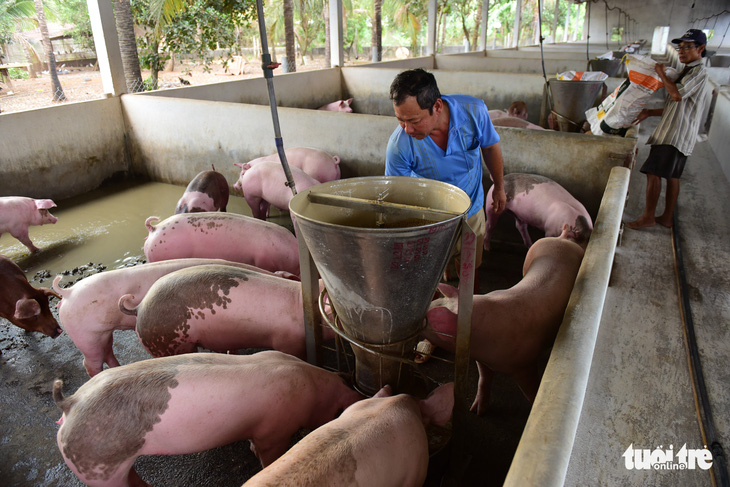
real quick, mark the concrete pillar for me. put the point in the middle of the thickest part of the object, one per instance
(518, 22)
(336, 49)
(109, 57)
(431, 29)
(485, 24)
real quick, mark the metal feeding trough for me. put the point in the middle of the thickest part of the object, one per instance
(380, 245)
(571, 99)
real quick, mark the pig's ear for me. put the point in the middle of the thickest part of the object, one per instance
(385, 391)
(348, 101)
(44, 204)
(27, 308)
(239, 164)
(448, 290)
(437, 407)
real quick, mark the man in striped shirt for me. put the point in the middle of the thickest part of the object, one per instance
(675, 136)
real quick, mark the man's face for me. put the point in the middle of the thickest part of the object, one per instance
(689, 51)
(416, 121)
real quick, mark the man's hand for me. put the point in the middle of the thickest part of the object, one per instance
(499, 200)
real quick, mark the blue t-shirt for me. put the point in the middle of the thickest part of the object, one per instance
(461, 164)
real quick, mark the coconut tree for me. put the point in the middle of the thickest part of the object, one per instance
(57, 90)
(377, 38)
(289, 35)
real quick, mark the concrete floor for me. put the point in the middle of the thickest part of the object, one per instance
(640, 389)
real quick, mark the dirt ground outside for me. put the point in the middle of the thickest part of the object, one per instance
(84, 83)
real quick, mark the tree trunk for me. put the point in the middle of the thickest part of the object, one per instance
(289, 35)
(128, 45)
(477, 27)
(377, 38)
(57, 90)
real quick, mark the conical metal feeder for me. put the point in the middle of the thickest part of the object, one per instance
(571, 99)
(380, 245)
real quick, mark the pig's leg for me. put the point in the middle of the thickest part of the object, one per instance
(492, 219)
(109, 357)
(96, 353)
(269, 449)
(255, 203)
(25, 240)
(529, 381)
(522, 228)
(484, 389)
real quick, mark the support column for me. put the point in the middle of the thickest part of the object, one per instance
(431, 29)
(336, 49)
(485, 24)
(518, 23)
(106, 41)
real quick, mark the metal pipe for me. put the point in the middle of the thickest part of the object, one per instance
(268, 68)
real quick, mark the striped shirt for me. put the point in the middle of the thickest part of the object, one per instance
(470, 128)
(680, 121)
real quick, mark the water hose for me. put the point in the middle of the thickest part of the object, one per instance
(702, 400)
(268, 68)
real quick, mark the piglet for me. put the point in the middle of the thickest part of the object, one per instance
(264, 184)
(317, 163)
(338, 106)
(229, 236)
(191, 403)
(542, 203)
(511, 329)
(221, 308)
(17, 213)
(379, 441)
(208, 191)
(22, 304)
(89, 310)
(518, 109)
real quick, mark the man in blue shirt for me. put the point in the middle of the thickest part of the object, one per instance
(445, 138)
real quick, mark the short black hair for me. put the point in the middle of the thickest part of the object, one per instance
(415, 82)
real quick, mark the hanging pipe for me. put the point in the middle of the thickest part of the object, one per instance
(588, 33)
(268, 68)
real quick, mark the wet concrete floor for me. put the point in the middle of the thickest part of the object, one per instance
(105, 230)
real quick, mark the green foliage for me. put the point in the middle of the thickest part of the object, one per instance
(17, 73)
(76, 13)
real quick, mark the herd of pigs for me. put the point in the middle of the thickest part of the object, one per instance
(222, 282)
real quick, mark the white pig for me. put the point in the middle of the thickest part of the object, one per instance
(540, 202)
(17, 213)
(191, 403)
(221, 308)
(89, 310)
(264, 184)
(338, 106)
(380, 441)
(315, 162)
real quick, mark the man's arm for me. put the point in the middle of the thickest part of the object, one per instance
(495, 164)
(669, 85)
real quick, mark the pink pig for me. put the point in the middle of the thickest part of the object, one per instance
(17, 213)
(264, 184)
(207, 191)
(315, 162)
(542, 203)
(24, 305)
(191, 403)
(338, 106)
(379, 441)
(229, 236)
(516, 123)
(221, 308)
(89, 310)
(512, 328)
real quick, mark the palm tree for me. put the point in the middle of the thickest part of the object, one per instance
(128, 45)
(58, 94)
(289, 36)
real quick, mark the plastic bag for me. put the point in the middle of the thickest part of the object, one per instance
(616, 113)
(582, 76)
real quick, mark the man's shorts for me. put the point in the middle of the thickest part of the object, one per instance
(664, 161)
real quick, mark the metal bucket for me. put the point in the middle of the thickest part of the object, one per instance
(380, 268)
(608, 66)
(571, 99)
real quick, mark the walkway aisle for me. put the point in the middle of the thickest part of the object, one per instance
(640, 390)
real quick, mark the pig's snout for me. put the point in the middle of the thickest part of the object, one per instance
(123, 308)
